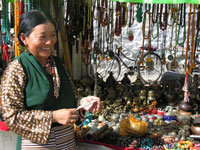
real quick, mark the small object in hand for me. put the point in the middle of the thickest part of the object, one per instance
(82, 106)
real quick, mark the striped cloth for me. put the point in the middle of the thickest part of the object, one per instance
(61, 138)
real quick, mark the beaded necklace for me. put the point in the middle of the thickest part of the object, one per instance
(16, 28)
(1, 33)
(124, 14)
(105, 22)
(29, 5)
(131, 21)
(21, 7)
(51, 68)
(139, 13)
(110, 28)
(118, 26)
(192, 65)
(97, 10)
(89, 16)
(172, 11)
(163, 25)
(182, 24)
(5, 24)
(153, 13)
(157, 30)
(131, 14)
(148, 37)
(197, 39)
(101, 12)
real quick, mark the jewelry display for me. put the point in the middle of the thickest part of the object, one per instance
(159, 114)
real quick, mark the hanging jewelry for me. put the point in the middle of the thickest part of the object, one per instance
(51, 68)
(163, 22)
(118, 26)
(148, 36)
(124, 15)
(110, 27)
(96, 9)
(21, 7)
(131, 21)
(89, 19)
(139, 13)
(131, 14)
(192, 65)
(155, 6)
(155, 21)
(197, 38)
(5, 26)
(16, 28)
(171, 57)
(182, 24)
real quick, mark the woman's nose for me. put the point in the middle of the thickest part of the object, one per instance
(50, 40)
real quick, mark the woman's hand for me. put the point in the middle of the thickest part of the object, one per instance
(66, 117)
(94, 107)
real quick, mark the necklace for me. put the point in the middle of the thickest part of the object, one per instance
(110, 30)
(16, 27)
(192, 65)
(89, 19)
(97, 10)
(124, 14)
(182, 24)
(131, 16)
(139, 13)
(118, 26)
(163, 25)
(51, 68)
(153, 13)
(148, 37)
(21, 7)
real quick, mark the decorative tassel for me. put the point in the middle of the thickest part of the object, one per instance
(185, 88)
(5, 53)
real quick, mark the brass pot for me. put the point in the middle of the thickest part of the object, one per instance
(195, 128)
(181, 112)
(187, 106)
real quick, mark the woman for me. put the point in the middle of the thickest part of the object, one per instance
(37, 98)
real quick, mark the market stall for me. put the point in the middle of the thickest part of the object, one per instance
(140, 57)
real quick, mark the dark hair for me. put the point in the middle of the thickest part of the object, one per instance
(31, 19)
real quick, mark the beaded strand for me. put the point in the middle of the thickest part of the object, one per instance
(16, 27)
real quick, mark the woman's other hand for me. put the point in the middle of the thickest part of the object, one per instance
(66, 117)
(94, 107)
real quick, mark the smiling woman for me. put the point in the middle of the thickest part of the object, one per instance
(38, 101)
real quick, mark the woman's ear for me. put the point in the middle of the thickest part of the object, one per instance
(23, 38)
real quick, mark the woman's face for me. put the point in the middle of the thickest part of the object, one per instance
(41, 41)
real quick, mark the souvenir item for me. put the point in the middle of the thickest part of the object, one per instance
(132, 126)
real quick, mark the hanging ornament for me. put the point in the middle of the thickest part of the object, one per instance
(130, 36)
(5, 53)
(16, 27)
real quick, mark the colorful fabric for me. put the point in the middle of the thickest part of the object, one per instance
(61, 138)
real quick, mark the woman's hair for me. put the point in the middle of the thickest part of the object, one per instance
(31, 19)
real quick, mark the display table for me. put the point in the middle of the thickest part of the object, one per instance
(113, 147)
(8, 142)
